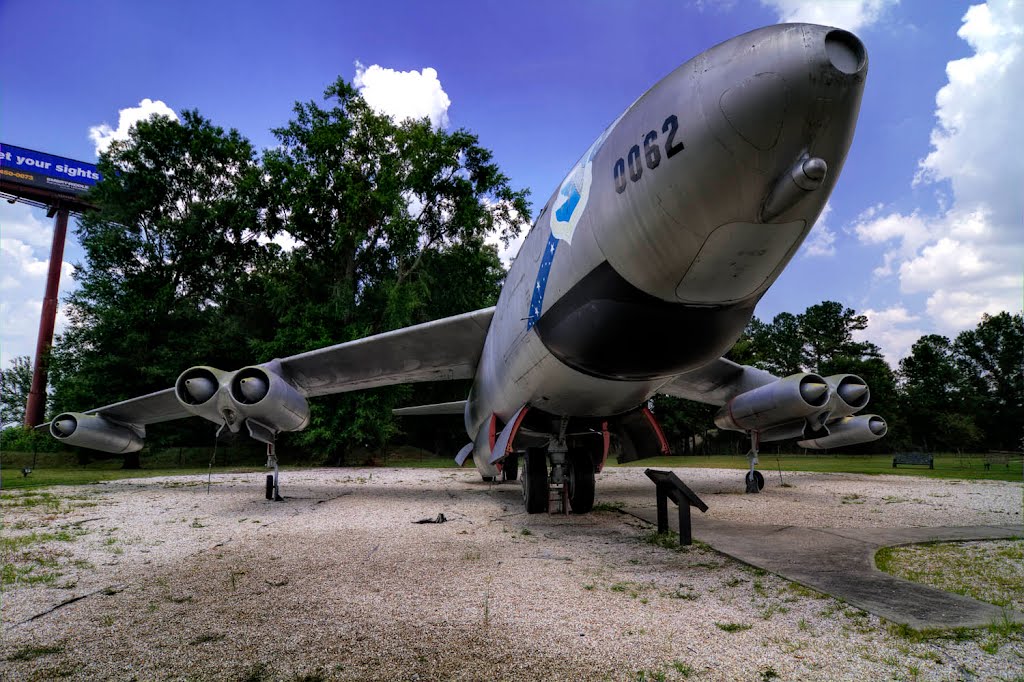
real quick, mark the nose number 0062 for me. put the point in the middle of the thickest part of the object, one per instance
(651, 154)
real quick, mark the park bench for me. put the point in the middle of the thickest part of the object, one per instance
(917, 458)
(997, 458)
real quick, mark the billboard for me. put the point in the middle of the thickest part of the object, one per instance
(32, 169)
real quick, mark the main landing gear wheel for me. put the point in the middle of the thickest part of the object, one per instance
(754, 478)
(581, 482)
(270, 486)
(535, 481)
(510, 468)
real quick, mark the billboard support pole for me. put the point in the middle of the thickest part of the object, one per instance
(36, 405)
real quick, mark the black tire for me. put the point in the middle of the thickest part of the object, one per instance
(535, 481)
(758, 476)
(581, 482)
(270, 486)
(510, 468)
(488, 479)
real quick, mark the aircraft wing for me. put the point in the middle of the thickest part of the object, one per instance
(717, 382)
(433, 351)
(156, 407)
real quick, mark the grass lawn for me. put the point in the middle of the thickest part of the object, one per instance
(971, 467)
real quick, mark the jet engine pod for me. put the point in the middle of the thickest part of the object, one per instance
(96, 433)
(849, 431)
(260, 393)
(850, 394)
(199, 390)
(780, 402)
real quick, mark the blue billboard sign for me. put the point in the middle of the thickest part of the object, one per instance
(57, 174)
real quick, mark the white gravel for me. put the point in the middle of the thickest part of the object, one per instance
(338, 582)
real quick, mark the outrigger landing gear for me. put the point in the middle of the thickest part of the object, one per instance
(754, 479)
(273, 483)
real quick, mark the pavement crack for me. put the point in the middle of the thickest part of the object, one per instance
(109, 590)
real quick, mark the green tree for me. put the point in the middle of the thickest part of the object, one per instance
(15, 384)
(171, 275)
(390, 221)
(990, 358)
(938, 404)
(826, 330)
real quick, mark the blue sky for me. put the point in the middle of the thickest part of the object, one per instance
(924, 228)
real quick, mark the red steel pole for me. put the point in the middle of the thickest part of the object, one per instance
(36, 405)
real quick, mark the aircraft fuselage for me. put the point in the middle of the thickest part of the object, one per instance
(649, 258)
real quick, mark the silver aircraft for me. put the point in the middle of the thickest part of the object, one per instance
(641, 270)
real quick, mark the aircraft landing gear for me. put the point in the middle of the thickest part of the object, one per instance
(754, 478)
(273, 482)
(510, 468)
(535, 480)
(557, 479)
(581, 482)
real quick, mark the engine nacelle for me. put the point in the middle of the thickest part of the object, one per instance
(260, 393)
(848, 431)
(94, 432)
(849, 395)
(780, 402)
(204, 392)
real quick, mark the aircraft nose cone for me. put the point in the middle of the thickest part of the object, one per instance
(755, 109)
(845, 51)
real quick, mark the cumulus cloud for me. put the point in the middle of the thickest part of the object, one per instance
(24, 260)
(404, 94)
(103, 135)
(821, 241)
(849, 14)
(894, 329)
(967, 258)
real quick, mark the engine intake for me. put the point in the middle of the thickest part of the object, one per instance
(256, 393)
(849, 395)
(795, 397)
(200, 390)
(94, 432)
(262, 394)
(849, 431)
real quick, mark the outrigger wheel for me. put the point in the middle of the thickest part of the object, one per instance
(581, 482)
(270, 486)
(535, 480)
(754, 478)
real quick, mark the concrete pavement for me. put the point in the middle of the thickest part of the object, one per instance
(840, 562)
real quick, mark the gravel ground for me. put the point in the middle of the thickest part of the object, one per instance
(337, 582)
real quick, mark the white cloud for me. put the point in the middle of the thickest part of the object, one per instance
(24, 260)
(821, 241)
(894, 329)
(969, 257)
(404, 94)
(102, 135)
(849, 14)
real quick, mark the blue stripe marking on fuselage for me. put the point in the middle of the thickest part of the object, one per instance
(537, 302)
